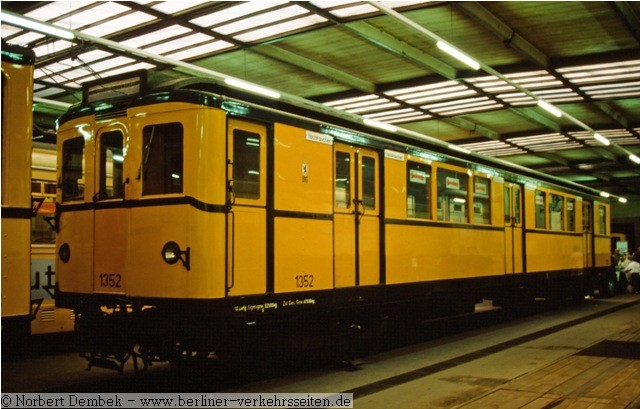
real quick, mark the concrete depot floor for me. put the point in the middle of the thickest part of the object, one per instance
(448, 372)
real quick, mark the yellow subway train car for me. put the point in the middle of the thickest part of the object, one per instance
(190, 214)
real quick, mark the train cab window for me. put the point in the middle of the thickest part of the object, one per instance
(556, 212)
(73, 169)
(481, 201)
(452, 195)
(246, 164)
(162, 159)
(541, 198)
(418, 190)
(369, 182)
(602, 217)
(111, 160)
(343, 180)
(571, 214)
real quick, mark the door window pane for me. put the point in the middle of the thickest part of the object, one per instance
(246, 164)
(369, 182)
(73, 169)
(507, 205)
(162, 167)
(540, 216)
(111, 160)
(343, 180)
(516, 203)
(418, 190)
(571, 214)
(603, 219)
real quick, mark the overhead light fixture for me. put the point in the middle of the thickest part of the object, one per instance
(602, 139)
(622, 200)
(380, 125)
(247, 86)
(458, 148)
(604, 194)
(634, 158)
(23, 22)
(454, 52)
(549, 108)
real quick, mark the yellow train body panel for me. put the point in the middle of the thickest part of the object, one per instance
(421, 253)
(548, 252)
(16, 239)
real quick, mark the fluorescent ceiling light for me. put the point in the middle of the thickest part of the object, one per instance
(458, 54)
(458, 148)
(252, 87)
(37, 26)
(380, 125)
(601, 139)
(549, 108)
(622, 200)
(604, 194)
(634, 158)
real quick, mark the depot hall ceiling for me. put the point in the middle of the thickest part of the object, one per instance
(382, 61)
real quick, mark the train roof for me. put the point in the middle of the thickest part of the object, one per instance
(115, 94)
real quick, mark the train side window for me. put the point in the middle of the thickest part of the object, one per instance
(481, 201)
(541, 198)
(111, 160)
(73, 169)
(162, 163)
(556, 212)
(602, 214)
(418, 190)
(369, 182)
(343, 180)
(452, 195)
(571, 214)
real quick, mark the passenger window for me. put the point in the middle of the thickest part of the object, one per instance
(343, 180)
(481, 201)
(556, 212)
(73, 169)
(571, 214)
(162, 160)
(369, 182)
(418, 190)
(111, 160)
(452, 195)
(540, 215)
(246, 164)
(603, 219)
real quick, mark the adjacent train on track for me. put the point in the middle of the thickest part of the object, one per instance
(190, 214)
(28, 200)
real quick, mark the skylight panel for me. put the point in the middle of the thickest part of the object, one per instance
(179, 43)
(128, 68)
(607, 65)
(373, 108)
(350, 100)
(47, 91)
(111, 63)
(442, 96)
(92, 15)
(469, 109)
(261, 20)
(165, 33)
(394, 112)
(419, 88)
(25, 38)
(281, 28)
(171, 7)
(200, 50)
(55, 9)
(119, 24)
(50, 48)
(235, 12)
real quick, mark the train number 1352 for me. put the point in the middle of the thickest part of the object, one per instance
(304, 281)
(110, 280)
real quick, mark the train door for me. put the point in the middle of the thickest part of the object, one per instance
(587, 233)
(356, 216)
(111, 221)
(247, 208)
(514, 260)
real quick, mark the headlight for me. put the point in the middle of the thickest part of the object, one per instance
(64, 252)
(171, 252)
